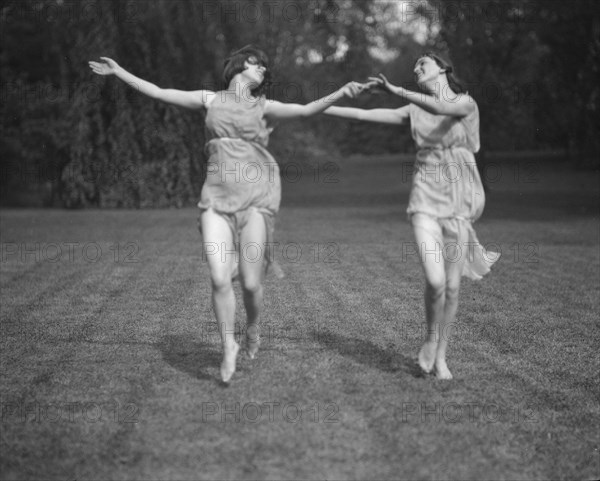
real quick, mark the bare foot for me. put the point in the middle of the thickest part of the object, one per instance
(228, 364)
(253, 341)
(441, 369)
(427, 356)
(253, 347)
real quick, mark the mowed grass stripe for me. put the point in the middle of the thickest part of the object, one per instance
(78, 371)
(165, 287)
(341, 342)
(44, 335)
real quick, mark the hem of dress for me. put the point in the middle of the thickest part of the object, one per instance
(480, 260)
(269, 219)
(409, 214)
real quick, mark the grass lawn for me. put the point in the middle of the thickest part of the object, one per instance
(109, 353)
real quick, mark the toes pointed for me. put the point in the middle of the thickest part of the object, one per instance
(228, 364)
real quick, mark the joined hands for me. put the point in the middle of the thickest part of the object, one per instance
(354, 89)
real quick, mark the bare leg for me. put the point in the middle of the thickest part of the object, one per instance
(219, 250)
(456, 255)
(427, 235)
(253, 250)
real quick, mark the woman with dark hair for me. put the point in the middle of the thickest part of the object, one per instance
(242, 191)
(447, 195)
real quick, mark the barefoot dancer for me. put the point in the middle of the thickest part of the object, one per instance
(447, 194)
(241, 194)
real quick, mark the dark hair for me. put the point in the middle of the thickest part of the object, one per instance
(234, 64)
(455, 85)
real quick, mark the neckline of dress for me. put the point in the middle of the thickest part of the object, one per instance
(223, 97)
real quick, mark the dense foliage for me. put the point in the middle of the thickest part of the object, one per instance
(74, 139)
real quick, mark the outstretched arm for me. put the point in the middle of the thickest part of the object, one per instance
(279, 110)
(191, 99)
(447, 103)
(385, 116)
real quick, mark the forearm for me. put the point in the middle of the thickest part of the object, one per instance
(345, 112)
(384, 116)
(322, 104)
(142, 86)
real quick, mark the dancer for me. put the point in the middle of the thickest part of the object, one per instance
(242, 191)
(447, 195)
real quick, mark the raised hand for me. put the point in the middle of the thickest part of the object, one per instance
(383, 83)
(107, 67)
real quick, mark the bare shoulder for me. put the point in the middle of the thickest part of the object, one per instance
(460, 105)
(401, 114)
(199, 99)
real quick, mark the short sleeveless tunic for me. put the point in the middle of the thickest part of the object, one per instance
(241, 173)
(446, 182)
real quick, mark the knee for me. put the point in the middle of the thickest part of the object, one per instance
(436, 286)
(221, 282)
(251, 284)
(452, 289)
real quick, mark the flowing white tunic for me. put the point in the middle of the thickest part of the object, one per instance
(446, 183)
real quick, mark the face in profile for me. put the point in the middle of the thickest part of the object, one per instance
(254, 70)
(426, 70)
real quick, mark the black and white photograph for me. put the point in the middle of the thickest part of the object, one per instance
(299, 239)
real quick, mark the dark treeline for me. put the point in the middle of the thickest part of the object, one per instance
(73, 139)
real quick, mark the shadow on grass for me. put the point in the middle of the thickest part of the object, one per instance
(198, 359)
(369, 354)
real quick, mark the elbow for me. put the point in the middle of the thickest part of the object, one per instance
(158, 94)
